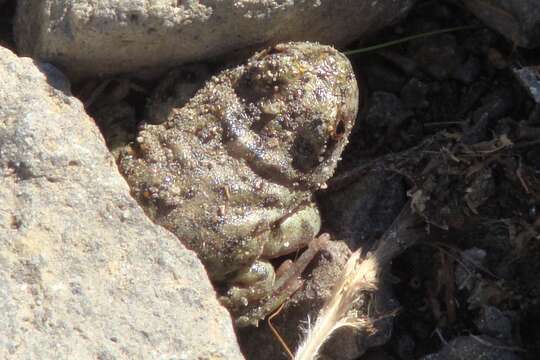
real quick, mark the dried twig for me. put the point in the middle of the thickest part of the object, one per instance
(276, 333)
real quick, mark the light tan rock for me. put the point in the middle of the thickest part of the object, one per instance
(84, 274)
(88, 38)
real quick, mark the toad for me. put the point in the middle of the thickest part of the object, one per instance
(232, 172)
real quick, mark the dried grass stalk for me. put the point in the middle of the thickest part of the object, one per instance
(360, 275)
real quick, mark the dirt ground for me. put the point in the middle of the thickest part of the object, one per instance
(449, 119)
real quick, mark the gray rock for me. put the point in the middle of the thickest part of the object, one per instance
(517, 20)
(438, 56)
(469, 71)
(385, 110)
(464, 278)
(472, 348)
(107, 37)
(493, 322)
(381, 77)
(360, 212)
(529, 78)
(414, 94)
(83, 273)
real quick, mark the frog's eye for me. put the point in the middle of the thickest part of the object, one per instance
(339, 129)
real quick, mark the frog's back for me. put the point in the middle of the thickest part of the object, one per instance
(248, 149)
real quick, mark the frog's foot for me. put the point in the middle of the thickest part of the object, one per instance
(249, 286)
(285, 285)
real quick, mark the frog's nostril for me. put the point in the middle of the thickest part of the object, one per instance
(340, 129)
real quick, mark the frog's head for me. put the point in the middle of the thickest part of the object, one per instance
(303, 101)
(324, 131)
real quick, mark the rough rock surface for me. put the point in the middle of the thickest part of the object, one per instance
(518, 20)
(362, 211)
(83, 273)
(105, 37)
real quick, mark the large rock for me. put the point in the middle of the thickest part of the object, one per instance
(83, 273)
(517, 20)
(88, 38)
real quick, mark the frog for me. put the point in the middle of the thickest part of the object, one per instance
(233, 171)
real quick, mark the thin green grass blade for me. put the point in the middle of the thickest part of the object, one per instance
(408, 38)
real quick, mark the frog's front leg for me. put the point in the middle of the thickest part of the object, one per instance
(257, 291)
(284, 286)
